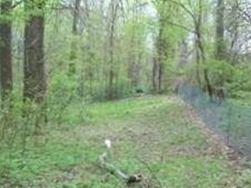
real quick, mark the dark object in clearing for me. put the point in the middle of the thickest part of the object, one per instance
(139, 90)
(134, 179)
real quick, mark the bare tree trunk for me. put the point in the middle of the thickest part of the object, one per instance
(76, 15)
(198, 63)
(75, 32)
(158, 67)
(134, 55)
(34, 65)
(157, 76)
(154, 71)
(219, 39)
(132, 65)
(5, 49)
(111, 73)
(133, 71)
(201, 49)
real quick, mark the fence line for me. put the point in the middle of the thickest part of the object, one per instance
(230, 119)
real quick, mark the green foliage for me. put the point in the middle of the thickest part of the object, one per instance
(234, 78)
(241, 82)
(220, 72)
(56, 143)
(62, 87)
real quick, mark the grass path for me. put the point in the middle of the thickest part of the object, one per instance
(158, 137)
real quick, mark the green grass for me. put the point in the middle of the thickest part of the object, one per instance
(150, 135)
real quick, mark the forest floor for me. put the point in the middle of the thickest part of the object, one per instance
(157, 136)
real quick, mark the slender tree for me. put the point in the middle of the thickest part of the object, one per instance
(200, 47)
(161, 48)
(111, 74)
(34, 64)
(75, 32)
(5, 48)
(219, 39)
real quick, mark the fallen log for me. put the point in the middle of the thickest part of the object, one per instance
(130, 179)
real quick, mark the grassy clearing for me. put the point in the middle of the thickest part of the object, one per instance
(150, 135)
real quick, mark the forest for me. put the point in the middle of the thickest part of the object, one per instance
(125, 93)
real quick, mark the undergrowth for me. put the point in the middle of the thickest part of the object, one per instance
(150, 135)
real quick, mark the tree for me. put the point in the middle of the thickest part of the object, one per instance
(219, 40)
(111, 75)
(158, 66)
(161, 48)
(199, 45)
(196, 14)
(5, 48)
(34, 63)
(75, 32)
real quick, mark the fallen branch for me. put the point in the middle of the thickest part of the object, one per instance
(115, 171)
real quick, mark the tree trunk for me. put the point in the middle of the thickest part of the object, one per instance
(160, 77)
(75, 32)
(158, 68)
(111, 73)
(75, 29)
(201, 47)
(5, 49)
(154, 71)
(34, 65)
(219, 40)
